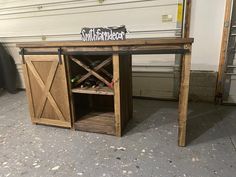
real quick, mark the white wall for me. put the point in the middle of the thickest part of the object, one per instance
(30, 20)
(35, 20)
(206, 27)
(53, 20)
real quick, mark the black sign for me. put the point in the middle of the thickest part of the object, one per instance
(103, 34)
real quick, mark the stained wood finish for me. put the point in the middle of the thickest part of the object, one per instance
(188, 10)
(28, 92)
(185, 77)
(94, 91)
(99, 50)
(121, 94)
(128, 42)
(47, 91)
(71, 101)
(183, 98)
(97, 122)
(117, 94)
(126, 101)
(93, 72)
(38, 83)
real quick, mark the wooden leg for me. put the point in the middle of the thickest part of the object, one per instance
(116, 80)
(183, 98)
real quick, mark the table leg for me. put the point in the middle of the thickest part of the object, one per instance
(183, 97)
(117, 94)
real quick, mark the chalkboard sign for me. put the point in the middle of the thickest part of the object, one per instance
(103, 34)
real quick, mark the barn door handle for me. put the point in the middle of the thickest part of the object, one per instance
(59, 55)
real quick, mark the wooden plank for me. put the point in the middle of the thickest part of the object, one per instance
(93, 128)
(124, 49)
(183, 98)
(70, 95)
(125, 93)
(46, 121)
(223, 51)
(38, 76)
(185, 78)
(104, 114)
(116, 79)
(127, 86)
(47, 88)
(103, 118)
(61, 81)
(34, 72)
(188, 10)
(94, 91)
(101, 68)
(123, 90)
(144, 41)
(130, 87)
(98, 122)
(42, 50)
(40, 58)
(93, 50)
(28, 92)
(186, 24)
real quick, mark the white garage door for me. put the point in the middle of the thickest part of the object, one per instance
(53, 20)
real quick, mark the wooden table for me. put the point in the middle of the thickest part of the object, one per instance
(116, 49)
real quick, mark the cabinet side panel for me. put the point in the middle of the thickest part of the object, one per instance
(125, 89)
(130, 86)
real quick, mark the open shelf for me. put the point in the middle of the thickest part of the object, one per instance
(98, 122)
(94, 112)
(94, 91)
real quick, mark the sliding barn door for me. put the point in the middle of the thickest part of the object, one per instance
(47, 91)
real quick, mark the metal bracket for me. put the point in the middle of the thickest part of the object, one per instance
(59, 55)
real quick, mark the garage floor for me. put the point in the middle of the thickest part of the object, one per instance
(149, 148)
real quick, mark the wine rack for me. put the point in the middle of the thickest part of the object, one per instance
(99, 76)
(96, 82)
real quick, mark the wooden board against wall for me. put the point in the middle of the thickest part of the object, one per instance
(223, 52)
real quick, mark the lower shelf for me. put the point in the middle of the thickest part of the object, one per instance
(97, 122)
(95, 91)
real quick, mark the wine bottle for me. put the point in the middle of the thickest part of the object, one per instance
(75, 79)
(90, 82)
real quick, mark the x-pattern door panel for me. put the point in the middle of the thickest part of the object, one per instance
(47, 90)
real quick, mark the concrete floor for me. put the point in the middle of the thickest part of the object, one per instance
(148, 149)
